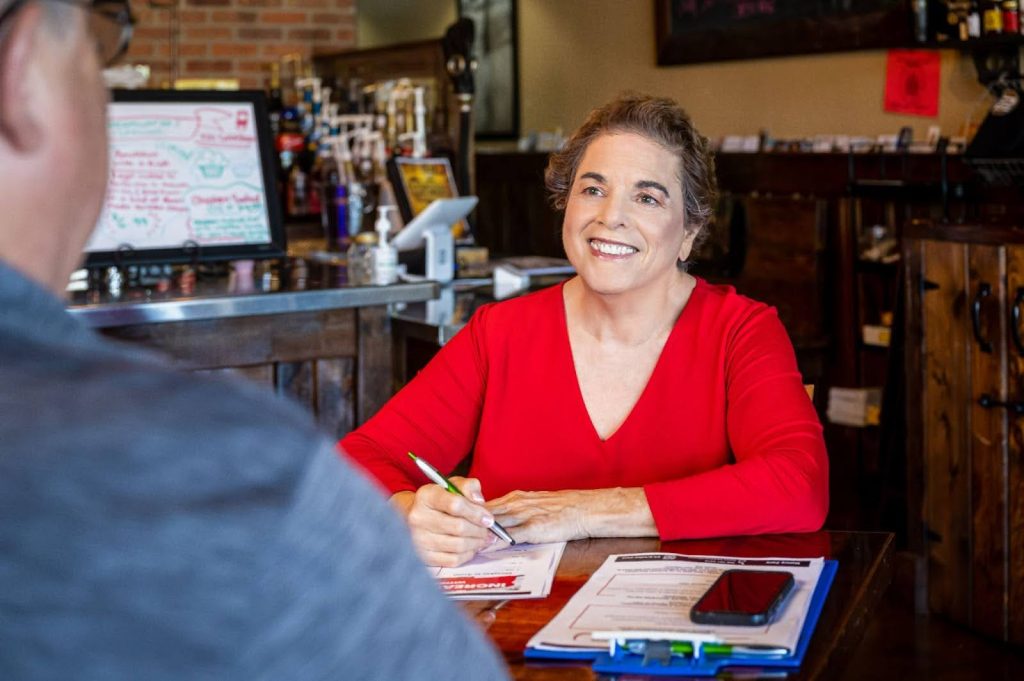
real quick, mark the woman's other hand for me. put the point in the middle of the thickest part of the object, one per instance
(539, 517)
(447, 530)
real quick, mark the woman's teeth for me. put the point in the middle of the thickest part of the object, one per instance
(612, 249)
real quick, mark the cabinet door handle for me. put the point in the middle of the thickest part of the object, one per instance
(1015, 328)
(986, 401)
(984, 291)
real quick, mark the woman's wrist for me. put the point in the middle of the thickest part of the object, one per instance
(402, 502)
(619, 512)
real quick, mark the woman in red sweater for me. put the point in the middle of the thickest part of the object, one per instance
(633, 399)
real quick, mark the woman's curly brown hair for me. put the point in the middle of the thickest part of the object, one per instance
(660, 120)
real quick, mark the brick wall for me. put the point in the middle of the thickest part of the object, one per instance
(235, 38)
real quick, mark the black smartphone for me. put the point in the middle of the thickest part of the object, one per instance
(747, 598)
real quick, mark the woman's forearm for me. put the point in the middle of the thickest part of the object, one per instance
(620, 512)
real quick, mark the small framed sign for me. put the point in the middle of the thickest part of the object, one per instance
(418, 182)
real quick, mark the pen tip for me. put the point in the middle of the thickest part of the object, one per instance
(411, 455)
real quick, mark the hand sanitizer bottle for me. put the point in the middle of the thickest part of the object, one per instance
(385, 257)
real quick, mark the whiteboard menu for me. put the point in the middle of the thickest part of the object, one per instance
(187, 177)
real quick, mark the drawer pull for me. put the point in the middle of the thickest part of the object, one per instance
(986, 401)
(1015, 327)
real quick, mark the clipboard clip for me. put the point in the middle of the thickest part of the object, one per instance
(656, 647)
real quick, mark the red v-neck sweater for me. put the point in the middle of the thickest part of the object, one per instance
(723, 439)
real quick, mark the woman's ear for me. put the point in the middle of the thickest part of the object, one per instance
(19, 123)
(687, 246)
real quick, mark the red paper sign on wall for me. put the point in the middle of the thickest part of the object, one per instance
(912, 82)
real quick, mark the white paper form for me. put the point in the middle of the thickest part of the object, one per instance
(655, 591)
(520, 571)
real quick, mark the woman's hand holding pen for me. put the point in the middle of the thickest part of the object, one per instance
(447, 529)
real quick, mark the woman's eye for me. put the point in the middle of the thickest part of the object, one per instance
(591, 191)
(648, 200)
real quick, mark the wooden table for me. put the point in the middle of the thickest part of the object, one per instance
(865, 566)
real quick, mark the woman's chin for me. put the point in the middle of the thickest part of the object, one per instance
(608, 286)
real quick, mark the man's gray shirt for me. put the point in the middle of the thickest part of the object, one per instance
(156, 525)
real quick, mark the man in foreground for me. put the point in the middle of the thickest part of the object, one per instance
(155, 525)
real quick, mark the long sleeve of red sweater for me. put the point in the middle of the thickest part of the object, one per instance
(723, 440)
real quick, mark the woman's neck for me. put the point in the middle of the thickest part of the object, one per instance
(630, 318)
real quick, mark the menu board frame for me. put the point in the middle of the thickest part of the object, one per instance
(276, 247)
(801, 27)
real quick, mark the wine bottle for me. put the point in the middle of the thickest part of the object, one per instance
(973, 20)
(991, 17)
(1011, 16)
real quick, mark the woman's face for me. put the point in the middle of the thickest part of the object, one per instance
(624, 226)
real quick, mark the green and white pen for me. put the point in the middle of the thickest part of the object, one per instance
(436, 477)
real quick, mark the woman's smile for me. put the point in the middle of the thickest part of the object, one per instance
(611, 250)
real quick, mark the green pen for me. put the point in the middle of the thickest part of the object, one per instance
(436, 477)
(685, 648)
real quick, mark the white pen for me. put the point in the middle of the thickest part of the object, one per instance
(436, 477)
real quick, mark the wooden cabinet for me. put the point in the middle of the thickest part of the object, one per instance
(965, 414)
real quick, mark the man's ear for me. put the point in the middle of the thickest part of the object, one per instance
(19, 125)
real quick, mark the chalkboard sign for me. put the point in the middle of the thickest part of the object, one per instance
(191, 175)
(690, 31)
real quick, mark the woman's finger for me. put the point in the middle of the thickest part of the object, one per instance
(470, 487)
(442, 559)
(437, 499)
(425, 517)
(446, 543)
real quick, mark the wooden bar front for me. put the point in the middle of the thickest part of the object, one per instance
(307, 334)
(337, 363)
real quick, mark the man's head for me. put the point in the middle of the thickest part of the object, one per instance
(53, 144)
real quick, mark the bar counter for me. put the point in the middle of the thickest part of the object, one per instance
(304, 289)
(301, 330)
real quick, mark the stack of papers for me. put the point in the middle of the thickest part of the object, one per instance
(654, 592)
(520, 571)
(857, 407)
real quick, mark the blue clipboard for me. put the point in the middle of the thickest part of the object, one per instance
(705, 666)
(712, 665)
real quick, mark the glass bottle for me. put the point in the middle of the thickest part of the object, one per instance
(360, 254)
(973, 19)
(991, 17)
(1011, 16)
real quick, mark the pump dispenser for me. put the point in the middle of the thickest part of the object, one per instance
(385, 256)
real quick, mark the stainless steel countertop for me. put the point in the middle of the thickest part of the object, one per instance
(296, 289)
(438, 320)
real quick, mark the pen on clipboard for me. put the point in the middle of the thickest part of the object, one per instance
(439, 479)
(685, 648)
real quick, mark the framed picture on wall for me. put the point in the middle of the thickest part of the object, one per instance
(691, 31)
(495, 46)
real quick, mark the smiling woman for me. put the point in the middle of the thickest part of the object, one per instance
(632, 400)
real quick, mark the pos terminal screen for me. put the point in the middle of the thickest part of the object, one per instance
(191, 176)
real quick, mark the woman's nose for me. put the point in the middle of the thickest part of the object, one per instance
(612, 213)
